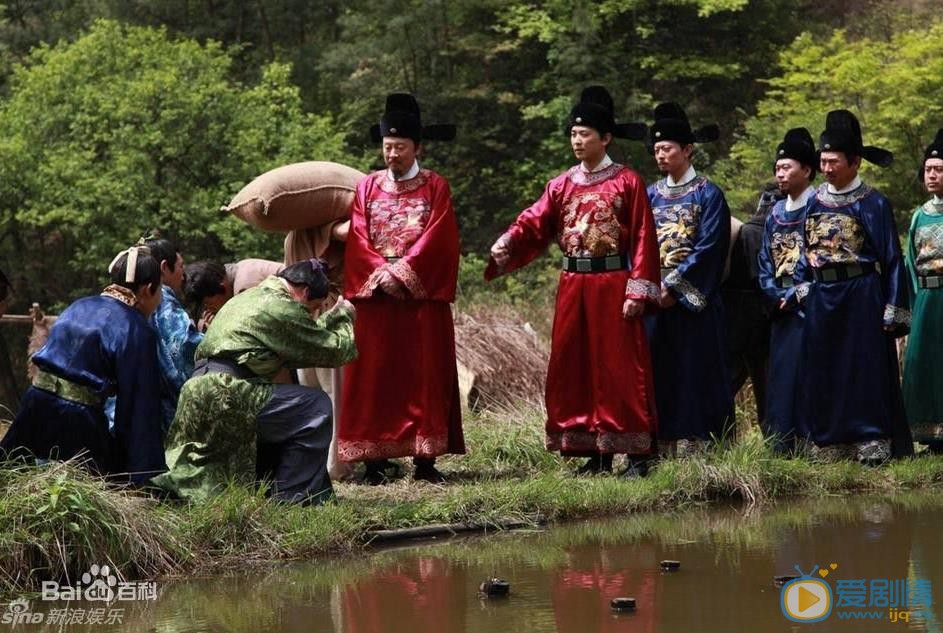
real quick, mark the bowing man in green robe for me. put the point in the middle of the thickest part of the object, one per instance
(230, 407)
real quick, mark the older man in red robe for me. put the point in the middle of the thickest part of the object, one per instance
(400, 269)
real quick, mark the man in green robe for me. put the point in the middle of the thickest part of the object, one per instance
(923, 372)
(231, 407)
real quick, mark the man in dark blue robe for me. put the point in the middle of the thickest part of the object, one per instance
(849, 392)
(99, 346)
(778, 262)
(688, 337)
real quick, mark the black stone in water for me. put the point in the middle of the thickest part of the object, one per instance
(779, 581)
(494, 588)
(622, 604)
(671, 565)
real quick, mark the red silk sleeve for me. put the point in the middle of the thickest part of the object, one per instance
(645, 276)
(529, 235)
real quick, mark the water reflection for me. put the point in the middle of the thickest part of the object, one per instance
(564, 578)
(593, 575)
(421, 593)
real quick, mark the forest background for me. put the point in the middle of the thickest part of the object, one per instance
(118, 116)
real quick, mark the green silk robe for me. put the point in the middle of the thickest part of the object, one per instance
(213, 437)
(923, 369)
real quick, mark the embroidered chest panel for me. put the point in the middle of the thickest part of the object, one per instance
(676, 225)
(928, 245)
(786, 249)
(589, 225)
(396, 223)
(833, 238)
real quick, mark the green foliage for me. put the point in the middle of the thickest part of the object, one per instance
(893, 86)
(517, 449)
(127, 129)
(157, 115)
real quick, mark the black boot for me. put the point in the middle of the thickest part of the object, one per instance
(426, 470)
(934, 447)
(596, 465)
(638, 467)
(377, 472)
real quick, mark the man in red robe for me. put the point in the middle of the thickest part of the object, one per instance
(599, 394)
(400, 270)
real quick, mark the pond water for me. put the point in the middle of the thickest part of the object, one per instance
(884, 551)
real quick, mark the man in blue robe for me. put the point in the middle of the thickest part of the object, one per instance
(849, 392)
(688, 337)
(99, 346)
(778, 261)
(177, 335)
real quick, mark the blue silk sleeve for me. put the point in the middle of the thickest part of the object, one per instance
(178, 339)
(767, 270)
(879, 224)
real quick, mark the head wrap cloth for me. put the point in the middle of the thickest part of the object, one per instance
(132, 264)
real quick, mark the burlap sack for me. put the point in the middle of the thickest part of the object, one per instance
(297, 196)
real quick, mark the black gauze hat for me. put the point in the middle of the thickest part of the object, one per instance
(799, 146)
(843, 134)
(595, 109)
(934, 150)
(401, 118)
(671, 124)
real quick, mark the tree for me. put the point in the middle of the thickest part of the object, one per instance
(128, 129)
(508, 73)
(893, 86)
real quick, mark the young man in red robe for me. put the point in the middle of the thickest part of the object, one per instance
(400, 270)
(599, 393)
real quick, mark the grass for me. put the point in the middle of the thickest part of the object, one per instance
(56, 521)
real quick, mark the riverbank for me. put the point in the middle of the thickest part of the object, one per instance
(55, 522)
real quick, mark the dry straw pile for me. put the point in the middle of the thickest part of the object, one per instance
(501, 361)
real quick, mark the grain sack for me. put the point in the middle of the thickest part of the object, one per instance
(297, 196)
